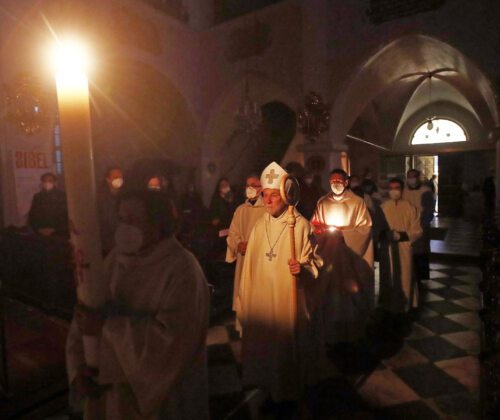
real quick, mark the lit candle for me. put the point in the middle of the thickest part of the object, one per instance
(336, 216)
(76, 142)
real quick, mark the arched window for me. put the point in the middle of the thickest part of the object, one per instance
(438, 130)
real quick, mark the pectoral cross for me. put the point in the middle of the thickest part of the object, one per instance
(271, 176)
(270, 254)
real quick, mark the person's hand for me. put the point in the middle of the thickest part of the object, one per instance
(46, 231)
(294, 266)
(242, 248)
(89, 321)
(396, 236)
(84, 384)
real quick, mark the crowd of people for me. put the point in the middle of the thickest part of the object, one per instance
(290, 306)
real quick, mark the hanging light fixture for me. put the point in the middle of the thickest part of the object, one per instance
(430, 124)
(248, 117)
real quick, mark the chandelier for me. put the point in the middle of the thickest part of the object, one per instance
(248, 117)
(26, 103)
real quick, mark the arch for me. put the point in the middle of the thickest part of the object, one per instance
(222, 141)
(139, 113)
(405, 60)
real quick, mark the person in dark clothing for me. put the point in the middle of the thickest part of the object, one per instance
(107, 204)
(222, 208)
(48, 215)
(310, 193)
(355, 186)
(489, 194)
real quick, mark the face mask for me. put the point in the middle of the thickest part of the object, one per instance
(412, 182)
(251, 193)
(117, 183)
(48, 186)
(394, 194)
(225, 190)
(308, 181)
(154, 188)
(129, 239)
(337, 188)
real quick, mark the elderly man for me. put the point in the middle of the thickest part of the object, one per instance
(275, 338)
(152, 359)
(241, 226)
(398, 291)
(343, 230)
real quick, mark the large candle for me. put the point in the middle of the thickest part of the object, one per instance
(78, 160)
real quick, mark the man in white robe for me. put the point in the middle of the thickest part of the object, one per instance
(342, 225)
(276, 343)
(244, 219)
(152, 357)
(398, 290)
(422, 197)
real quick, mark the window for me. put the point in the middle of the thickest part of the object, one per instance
(438, 131)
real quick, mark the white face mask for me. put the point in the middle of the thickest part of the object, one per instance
(308, 181)
(251, 193)
(154, 188)
(394, 194)
(337, 188)
(117, 183)
(48, 186)
(225, 190)
(129, 239)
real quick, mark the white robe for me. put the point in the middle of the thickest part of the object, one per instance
(242, 224)
(398, 290)
(271, 337)
(152, 351)
(347, 276)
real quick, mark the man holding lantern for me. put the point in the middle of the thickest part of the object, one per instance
(342, 226)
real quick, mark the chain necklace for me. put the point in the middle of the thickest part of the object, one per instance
(270, 255)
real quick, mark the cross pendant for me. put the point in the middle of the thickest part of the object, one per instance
(270, 254)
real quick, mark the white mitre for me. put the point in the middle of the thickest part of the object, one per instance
(271, 176)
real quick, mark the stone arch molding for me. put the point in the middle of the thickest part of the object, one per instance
(406, 56)
(221, 129)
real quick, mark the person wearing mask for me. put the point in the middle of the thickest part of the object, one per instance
(222, 207)
(161, 184)
(398, 289)
(48, 214)
(152, 329)
(271, 329)
(422, 198)
(355, 186)
(309, 196)
(108, 196)
(241, 226)
(342, 225)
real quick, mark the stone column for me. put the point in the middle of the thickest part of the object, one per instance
(497, 176)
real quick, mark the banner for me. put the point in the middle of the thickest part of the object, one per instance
(28, 167)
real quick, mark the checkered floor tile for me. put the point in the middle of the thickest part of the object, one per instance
(432, 374)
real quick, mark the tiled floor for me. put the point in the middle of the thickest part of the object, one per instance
(462, 238)
(433, 373)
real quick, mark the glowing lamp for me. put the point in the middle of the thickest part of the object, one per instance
(336, 216)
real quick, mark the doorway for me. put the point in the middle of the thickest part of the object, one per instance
(428, 165)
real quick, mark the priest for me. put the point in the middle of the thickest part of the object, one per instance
(398, 290)
(152, 358)
(244, 219)
(342, 225)
(277, 347)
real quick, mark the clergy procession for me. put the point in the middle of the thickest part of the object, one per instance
(304, 295)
